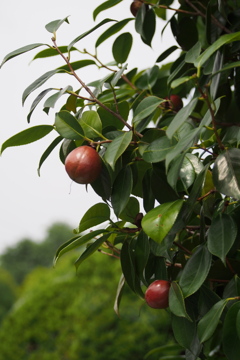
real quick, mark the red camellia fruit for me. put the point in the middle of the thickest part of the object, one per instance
(135, 6)
(175, 102)
(157, 293)
(83, 165)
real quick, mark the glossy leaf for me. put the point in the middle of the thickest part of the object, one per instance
(96, 215)
(117, 147)
(176, 301)
(224, 39)
(118, 75)
(51, 52)
(231, 340)
(104, 6)
(207, 325)
(112, 30)
(158, 222)
(181, 117)
(27, 136)
(108, 118)
(226, 173)
(21, 51)
(68, 126)
(221, 236)
(148, 27)
(184, 331)
(91, 249)
(91, 124)
(75, 242)
(142, 251)
(122, 188)
(158, 149)
(146, 107)
(53, 26)
(195, 271)
(130, 211)
(48, 151)
(121, 47)
(119, 292)
(166, 53)
(80, 37)
(51, 101)
(36, 102)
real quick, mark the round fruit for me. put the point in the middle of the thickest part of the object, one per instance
(157, 294)
(135, 6)
(175, 103)
(83, 165)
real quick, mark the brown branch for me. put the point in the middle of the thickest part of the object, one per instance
(182, 248)
(207, 194)
(90, 92)
(106, 253)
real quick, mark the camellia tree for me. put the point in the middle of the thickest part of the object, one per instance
(160, 148)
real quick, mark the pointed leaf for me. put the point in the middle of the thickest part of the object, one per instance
(96, 215)
(36, 102)
(181, 117)
(226, 173)
(80, 37)
(117, 147)
(51, 52)
(122, 188)
(158, 149)
(91, 124)
(166, 53)
(207, 325)
(27, 136)
(92, 248)
(51, 101)
(104, 6)
(48, 151)
(118, 297)
(53, 26)
(68, 126)
(121, 47)
(112, 30)
(195, 271)
(20, 51)
(221, 236)
(146, 107)
(176, 301)
(158, 222)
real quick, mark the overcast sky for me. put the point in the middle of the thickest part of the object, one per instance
(29, 203)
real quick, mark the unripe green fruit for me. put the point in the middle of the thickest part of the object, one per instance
(175, 103)
(83, 165)
(157, 294)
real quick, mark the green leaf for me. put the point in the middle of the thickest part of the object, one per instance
(122, 188)
(75, 242)
(231, 340)
(52, 51)
(117, 147)
(146, 107)
(48, 151)
(108, 118)
(80, 37)
(208, 324)
(92, 248)
(226, 173)
(119, 293)
(68, 126)
(166, 53)
(112, 30)
(142, 251)
(224, 39)
(149, 27)
(21, 51)
(76, 65)
(51, 101)
(91, 124)
(104, 6)
(53, 26)
(221, 236)
(121, 47)
(184, 331)
(27, 136)
(96, 215)
(130, 211)
(158, 222)
(118, 75)
(195, 271)
(181, 117)
(158, 149)
(36, 102)
(176, 301)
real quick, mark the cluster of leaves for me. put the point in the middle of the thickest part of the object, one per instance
(184, 164)
(61, 316)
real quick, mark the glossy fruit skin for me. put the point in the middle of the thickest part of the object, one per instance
(157, 294)
(83, 165)
(135, 6)
(175, 102)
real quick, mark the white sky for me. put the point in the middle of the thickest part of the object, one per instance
(29, 204)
